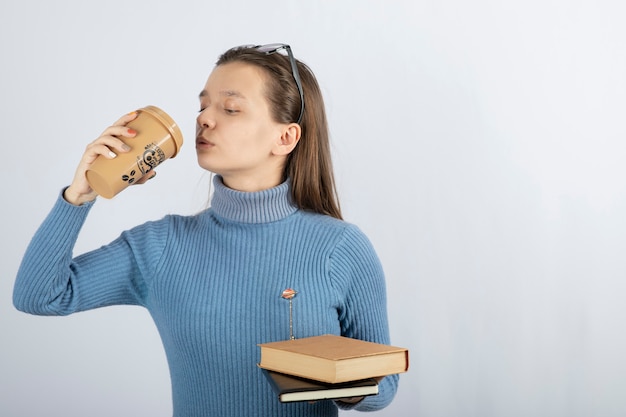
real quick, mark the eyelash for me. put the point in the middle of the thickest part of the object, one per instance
(227, 111)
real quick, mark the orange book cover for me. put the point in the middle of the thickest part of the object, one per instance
(333, 359)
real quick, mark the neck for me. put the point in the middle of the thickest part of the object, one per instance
(251, 183)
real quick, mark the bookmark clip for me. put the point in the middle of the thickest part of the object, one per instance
(289, 294)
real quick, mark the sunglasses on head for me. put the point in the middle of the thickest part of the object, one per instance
(273, 48)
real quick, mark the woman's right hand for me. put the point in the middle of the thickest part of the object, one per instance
(108, 145)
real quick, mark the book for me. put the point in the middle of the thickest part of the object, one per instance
(290, 388)
(333, 359)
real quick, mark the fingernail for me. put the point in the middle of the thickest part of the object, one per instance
(126, 147)
(132, 113)
(131, 131)
(112, 154)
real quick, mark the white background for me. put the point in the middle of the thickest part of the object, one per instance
(479, 144)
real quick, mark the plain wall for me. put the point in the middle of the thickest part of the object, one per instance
(480, 145)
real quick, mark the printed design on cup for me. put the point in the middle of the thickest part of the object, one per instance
(152, 156)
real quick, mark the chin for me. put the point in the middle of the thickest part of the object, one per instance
(204, 164)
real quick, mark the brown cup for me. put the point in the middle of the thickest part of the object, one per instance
(158, 138)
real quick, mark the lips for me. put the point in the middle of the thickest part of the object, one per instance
(202, 142)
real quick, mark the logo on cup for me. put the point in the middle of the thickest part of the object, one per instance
(152, 156)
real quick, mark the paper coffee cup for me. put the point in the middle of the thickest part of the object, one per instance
(158, 139)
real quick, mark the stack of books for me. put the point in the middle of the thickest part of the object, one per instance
(329, 367)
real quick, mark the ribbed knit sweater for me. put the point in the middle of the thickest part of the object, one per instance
(212, 282)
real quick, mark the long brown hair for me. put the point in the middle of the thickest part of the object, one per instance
(309, 165)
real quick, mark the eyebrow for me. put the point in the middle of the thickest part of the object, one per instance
(228, 93)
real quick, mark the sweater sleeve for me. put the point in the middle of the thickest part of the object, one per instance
(360, 280)
(51, 282)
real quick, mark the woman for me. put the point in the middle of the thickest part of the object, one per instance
(213, 281)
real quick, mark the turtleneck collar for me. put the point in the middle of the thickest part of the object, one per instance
(264, 206)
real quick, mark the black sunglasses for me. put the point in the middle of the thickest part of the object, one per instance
(276, 47)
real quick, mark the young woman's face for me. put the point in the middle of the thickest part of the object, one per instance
(236, 136)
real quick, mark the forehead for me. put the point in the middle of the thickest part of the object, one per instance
(235, 79)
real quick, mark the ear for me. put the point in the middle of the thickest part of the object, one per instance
(289, 138)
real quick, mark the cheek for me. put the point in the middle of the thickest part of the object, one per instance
(251, 139)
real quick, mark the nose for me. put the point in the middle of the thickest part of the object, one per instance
(205, 120)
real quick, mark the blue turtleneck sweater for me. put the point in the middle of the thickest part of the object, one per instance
(212, 282)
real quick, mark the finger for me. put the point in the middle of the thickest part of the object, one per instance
(126, 118)
(95, 150)
(108, 146)
(119, 131)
